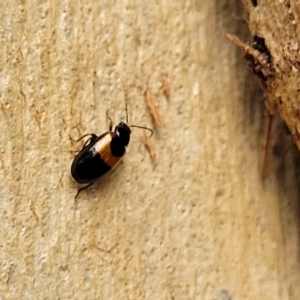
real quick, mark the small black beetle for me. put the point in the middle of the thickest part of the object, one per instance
(102, 153)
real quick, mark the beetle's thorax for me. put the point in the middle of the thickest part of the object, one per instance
(123, 132)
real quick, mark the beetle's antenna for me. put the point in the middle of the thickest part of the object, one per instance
(143, 127)
(126, 103)
(126, 111)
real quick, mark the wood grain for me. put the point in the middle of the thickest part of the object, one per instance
(196, 223)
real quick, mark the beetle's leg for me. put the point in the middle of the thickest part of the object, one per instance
(111, 124)
(81, 189)
(93, 136)
(74, 151)
(90, 140)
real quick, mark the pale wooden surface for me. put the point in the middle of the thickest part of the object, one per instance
(196, 224)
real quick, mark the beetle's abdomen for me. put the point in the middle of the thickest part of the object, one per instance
(96, 160)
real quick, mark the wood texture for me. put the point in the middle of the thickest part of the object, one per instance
(196, 223)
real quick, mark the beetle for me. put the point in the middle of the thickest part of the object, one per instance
(100, 154)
